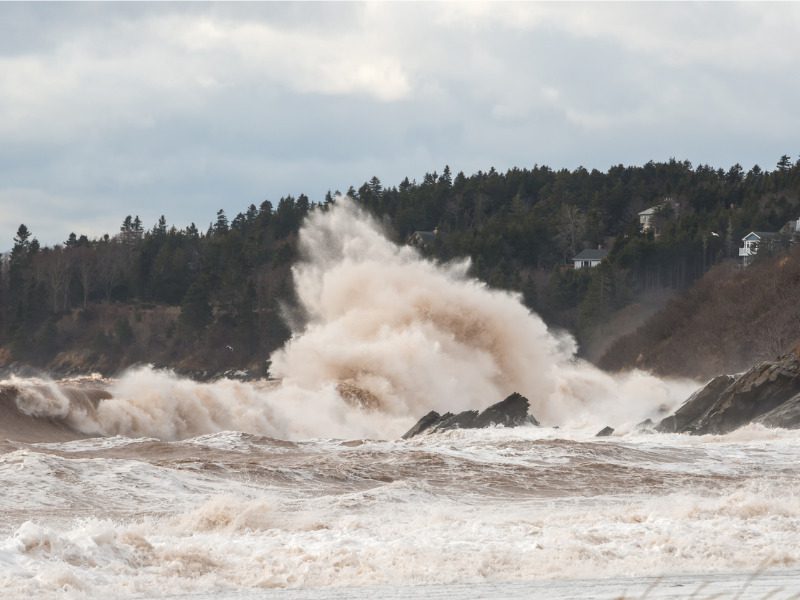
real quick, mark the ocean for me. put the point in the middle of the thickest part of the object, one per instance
(461, 514)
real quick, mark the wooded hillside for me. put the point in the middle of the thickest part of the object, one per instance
(730, 319)
(209, 299)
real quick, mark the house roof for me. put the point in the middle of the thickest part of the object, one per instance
(791, 226)
(591, 254)
(651, 211)
(762, 235)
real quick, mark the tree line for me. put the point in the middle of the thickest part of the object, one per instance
(225, 286)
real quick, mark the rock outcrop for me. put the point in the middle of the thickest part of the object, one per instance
(696, 406)
(511, 412)
(787, 415)
(604, 432)
(769, 393)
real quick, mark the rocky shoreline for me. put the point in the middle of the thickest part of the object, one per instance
(768, 393)
(511, 412)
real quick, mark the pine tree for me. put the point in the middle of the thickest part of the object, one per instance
(196, 313)
(21, 242)
(221, 226)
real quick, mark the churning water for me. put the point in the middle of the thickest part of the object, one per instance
(150, 485)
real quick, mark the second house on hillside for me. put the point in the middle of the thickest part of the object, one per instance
(755, 240)
(589, 258)
(654, 218)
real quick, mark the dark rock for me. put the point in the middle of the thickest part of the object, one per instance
(786, 416)
(511, 412)
(462, 420)
(604, 432)
(697, 404)
(766, 393)
(646, 426)
(423, 424)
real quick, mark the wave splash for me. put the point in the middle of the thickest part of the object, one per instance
(385, 336)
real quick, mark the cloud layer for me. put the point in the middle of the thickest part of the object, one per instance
(182, 109)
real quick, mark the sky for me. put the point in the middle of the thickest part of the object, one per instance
(110, 109)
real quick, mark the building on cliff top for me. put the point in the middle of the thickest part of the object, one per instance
(654, 218)
(755, 240)
(586, 259)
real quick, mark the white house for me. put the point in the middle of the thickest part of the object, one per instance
(587, 259)
(647, 218)
(752, 241)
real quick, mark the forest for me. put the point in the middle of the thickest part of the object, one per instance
(210, 300)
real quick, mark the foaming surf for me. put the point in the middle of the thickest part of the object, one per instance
(382, 336)
(217, 515)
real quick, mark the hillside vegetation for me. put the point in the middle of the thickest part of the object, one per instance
(728, 320)
(210, 299)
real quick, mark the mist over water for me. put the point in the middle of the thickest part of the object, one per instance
(384, 336)
(418, 335)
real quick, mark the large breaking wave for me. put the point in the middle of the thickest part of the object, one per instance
(384, 336)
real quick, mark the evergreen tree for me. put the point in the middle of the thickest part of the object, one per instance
(196, 313)
(21, 241)
(221, 225)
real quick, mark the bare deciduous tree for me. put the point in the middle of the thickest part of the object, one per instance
(571, 227)
(112, 256)
(87, 267)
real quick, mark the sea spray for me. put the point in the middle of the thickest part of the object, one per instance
(384, 335)
(417, 335)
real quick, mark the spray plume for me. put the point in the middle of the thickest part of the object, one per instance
(386, 336)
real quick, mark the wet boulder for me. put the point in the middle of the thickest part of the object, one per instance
(510, 412)
(767, 393)
(425, 423)
(696, 405)
(604, 432)
(786, 415)
(462, 420)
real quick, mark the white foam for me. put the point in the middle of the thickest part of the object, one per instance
(438, 510)
(40, 397)
(391, 536)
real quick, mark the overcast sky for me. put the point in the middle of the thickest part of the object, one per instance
(182, 109)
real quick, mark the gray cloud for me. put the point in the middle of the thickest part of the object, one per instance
(181, 109)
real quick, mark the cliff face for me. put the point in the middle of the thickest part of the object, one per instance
(107, 338)
(768, 393)
(728, 320)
